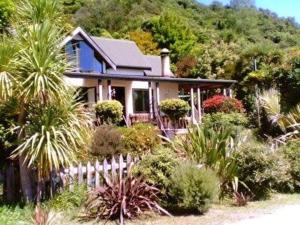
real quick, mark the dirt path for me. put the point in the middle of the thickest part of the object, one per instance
(288, 214)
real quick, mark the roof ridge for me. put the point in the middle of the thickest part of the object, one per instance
(114, 39)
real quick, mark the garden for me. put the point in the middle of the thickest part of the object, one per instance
(233, 159)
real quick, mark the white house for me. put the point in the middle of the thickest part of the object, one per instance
(117, 69)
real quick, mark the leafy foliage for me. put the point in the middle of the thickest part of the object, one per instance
(292, 153)
(220, 119)
(140, 138)
(193, 189)
(122, 197)
(145, 42)
(109, 111)
(106, 141)
(157, 169)
(262, 171)
(68, 200)
(174, 108)
(221, 103)
(210, 147)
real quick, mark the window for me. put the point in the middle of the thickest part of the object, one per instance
(83, 56)
(140, 101)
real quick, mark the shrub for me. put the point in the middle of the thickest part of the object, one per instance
(68, 200)
(157, 168)
(221, 103)
(139, 138)
(292, 154)
(106, 141)
(122, 197)
(193, 189)
(262, 170)
(220, 119)
(109, 111)
(174, 108)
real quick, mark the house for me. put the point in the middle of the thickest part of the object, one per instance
(117, 69)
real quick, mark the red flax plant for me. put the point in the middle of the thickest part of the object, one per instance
(123, 197)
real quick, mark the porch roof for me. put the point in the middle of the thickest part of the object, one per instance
(197, 82)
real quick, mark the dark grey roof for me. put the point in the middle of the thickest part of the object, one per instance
(123, 53)
(196, 82)
(155, 63)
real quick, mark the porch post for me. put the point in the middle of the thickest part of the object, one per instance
(230, 92)
(224, 92)
(100, 91)
(192, 105)
(157, 94)
(109, 89)
(199, 105)
(150, 100)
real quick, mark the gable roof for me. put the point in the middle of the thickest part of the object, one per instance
(155, 62)
(123, 53)
(86, 37)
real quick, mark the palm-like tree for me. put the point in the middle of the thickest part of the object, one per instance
(51, 125)
(289, 122)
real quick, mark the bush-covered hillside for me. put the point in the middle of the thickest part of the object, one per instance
(213, 41)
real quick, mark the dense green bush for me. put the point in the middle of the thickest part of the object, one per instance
(174, 108)
(157, 167)
(219, 119)
(262, 170)
(68, 200)
(109, 111)
(292, 153)
(106, 141)
(193, 189)
(139, 138)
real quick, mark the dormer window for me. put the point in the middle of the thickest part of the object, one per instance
(83, 57)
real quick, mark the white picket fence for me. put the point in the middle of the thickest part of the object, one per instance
(92, 173)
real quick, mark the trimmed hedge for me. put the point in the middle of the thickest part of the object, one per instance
(174, 108)
(109, 111)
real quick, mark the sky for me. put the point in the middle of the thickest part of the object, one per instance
(283, 8)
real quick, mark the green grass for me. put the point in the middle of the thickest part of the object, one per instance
(16, 215)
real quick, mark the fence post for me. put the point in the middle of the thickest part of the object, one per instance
(113, 168)
(89, 176)
(121, 166)
(128, 162)
(97, 176)
(80, 174)
(105, 168)
(71, 178)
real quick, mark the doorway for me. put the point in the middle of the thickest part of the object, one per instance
(118, 93)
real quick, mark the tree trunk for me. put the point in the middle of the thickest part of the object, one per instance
(26, 181)
(11, 187)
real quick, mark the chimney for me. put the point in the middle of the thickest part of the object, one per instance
(165, 63)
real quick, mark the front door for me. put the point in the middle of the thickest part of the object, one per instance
(118, 93)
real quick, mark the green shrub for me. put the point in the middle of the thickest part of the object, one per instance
(292, 153)
(109, 111)
(139, 138)
(157, 167)
(68, 200)
(174, 108)
(219, 119)
(262, 170)
(193, 189)
(12, 215)
(106, 141)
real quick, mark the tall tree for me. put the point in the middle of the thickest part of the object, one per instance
(51, 125)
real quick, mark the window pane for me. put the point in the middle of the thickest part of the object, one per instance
(86, 57)
(140, 101)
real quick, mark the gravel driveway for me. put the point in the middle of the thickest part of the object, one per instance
(288, 215)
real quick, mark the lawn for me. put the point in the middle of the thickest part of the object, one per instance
(218, 214)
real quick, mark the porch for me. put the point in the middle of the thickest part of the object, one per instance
(141, 95)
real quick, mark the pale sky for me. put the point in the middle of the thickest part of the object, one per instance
(283, 8)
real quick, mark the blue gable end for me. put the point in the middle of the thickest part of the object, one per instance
(84, 56)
